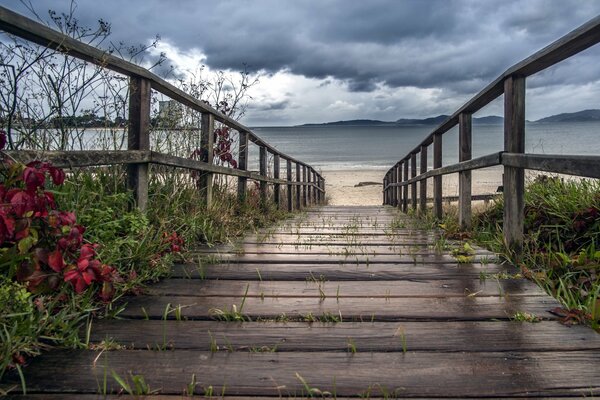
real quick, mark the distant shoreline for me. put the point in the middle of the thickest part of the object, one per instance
(592, 115)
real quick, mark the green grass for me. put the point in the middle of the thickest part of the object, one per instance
(561, 242)
(131, 241)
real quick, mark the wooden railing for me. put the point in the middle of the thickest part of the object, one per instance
(511, 83)
(308, 185)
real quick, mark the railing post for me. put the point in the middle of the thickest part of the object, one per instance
(276, 186)
(242, 164)
(423, 183)
(318, 181)
(514, 178)
(304, 188)
(405, 187)
(290, 206)
(413, 174)
(314, 191)
(206, 146)
(385, 183)
(437, 180)
(309, 190)
(464, 177)
(138, 138)
(263, 173)
(393, 189)
(398, 189)
(298, 188)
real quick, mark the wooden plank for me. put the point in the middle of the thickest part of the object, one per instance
(262, 161)
(242, 164)
(405, 188)
(207, 145)
(277, 186)
(298, 188)
(351, 309)
(290, 204)
(437, 180)
(514, 178)
(343, 259)
(413, 186)
(464, 177)
(138, 138)
(587, 166)
(486, 161)
(332, 240)
(348, 249)
(408, 374)
(82, 158)
(423, 183)
(346, 289)
(374, 272)
(467, 336)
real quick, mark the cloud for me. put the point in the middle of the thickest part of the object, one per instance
(355, 51)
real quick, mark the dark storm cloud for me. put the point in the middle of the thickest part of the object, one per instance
(459, 45)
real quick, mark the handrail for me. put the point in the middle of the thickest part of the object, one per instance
(511, 83)
(141, 80)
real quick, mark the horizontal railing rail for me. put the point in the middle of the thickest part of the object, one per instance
(511, 84)
(308, 184)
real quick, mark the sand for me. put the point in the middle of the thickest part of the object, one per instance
(341, 185)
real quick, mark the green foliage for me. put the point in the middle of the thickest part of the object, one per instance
(562, 238)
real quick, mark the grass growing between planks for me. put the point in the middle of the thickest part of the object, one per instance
(561, 244)
(140, 246)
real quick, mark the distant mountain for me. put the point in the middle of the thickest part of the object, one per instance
(489, 120)
(425, 121)
(580, 116)
(353, 122)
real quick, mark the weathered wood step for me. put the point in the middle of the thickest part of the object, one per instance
(345, 309)
(343, 259)
(412, 374)
(333, 272)
(462, 336)
(317, 288)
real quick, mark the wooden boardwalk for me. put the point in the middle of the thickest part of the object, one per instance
(353, 301)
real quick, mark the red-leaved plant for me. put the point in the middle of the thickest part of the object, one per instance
(39, 245)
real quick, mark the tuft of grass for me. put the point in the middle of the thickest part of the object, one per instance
(561, 241)
(522, 316)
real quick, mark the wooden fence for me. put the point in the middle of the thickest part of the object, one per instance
(397, 181)
(307, 188)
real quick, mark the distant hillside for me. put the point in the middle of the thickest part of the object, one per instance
(425, 121)
(353, 122)
(580, 116)
(408, 121)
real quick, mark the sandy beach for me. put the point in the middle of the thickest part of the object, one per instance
(353, 187)
(364, 187)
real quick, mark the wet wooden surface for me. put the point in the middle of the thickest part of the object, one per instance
(346, 301)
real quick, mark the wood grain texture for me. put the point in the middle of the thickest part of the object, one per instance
(422, 327)
(351, 309)
(462, 336)
(345, 289)
(528, 374)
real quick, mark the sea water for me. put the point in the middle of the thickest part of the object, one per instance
(379, 147)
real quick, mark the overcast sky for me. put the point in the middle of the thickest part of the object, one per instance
(329, 60)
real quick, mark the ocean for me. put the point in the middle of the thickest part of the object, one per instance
(379, 147)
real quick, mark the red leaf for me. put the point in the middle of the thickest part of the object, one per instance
(57, 175)
(33, 178)
(55, 261)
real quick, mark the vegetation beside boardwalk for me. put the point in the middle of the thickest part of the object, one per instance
(113, 248)
(561, 244)
(72, 243)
